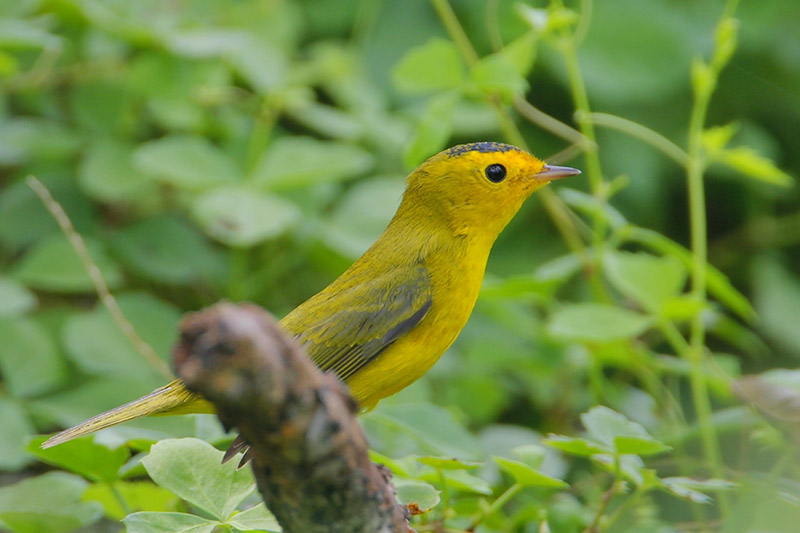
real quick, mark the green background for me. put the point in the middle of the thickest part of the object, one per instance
(251, 150)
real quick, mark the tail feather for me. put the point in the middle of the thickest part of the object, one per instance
(172, 398)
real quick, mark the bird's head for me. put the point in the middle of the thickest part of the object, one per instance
(477, 188)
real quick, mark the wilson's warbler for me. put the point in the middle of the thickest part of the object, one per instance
(386, 320)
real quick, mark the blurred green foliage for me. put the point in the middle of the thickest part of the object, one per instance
(250, 150)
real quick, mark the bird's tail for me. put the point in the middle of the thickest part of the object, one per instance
(172, 398)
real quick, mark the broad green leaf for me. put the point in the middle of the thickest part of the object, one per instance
(575, 446)
(593, 322)
(432, 130)
(521, 52)
(434, 428)
(82, 456)
(777, 299)
(29, 358)
(650, 280)
(262, 64)
(630, 466)
(639, 445)
(421, 495)
(621, 434)
(693, 489)
(137, 495)
(532, 455)
(186, 162)
(256, 518)
(95, 343)
(327, 120)
(291, 162)
(718, 284)
(527, 476)
(754, 165)
(49, 503)
(21, 33)
(168, 250)
(23, 139)
(15, 299)
(151, 522)
(53, 265)
(498, 74)
(100, 106)
(362, 215)
(16, 429)
(106, 174)
(434, 66)
(193, 470)
(458, 480)
(242, 216)
(592, 206)
(24, 221)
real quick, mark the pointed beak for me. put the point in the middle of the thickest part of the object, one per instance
(552, 172)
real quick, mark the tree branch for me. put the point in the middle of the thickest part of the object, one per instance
(309, 454)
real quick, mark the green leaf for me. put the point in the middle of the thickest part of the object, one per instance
(193, 470)
(21, 33)
(592, 206)
(650, 280)
(23, 139)
(16, 429)
(497, 74)
(149, 522)
(362, 214)
(592, 322)
(136, 495)
(718, 284)
(256, 518)
(746, 160)
(446, 463)
(777, 299)
(432, 67)
(434, 428)
(29, 359)
(432, 130)
(49, 503)
(291, 162)
(639, 445)
(107, 174)
(621, 434)
(186, 162)
(15, 299)
(168, 250)
(82, 456)
(575, 446)
(242, 216)
(417, 493)
(692, 489)
(53, 265)
(526, 476)
(95, 343)
(521, 52)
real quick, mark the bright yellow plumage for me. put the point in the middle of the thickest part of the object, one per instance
(386, 320)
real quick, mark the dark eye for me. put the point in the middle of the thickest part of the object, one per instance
(495, 173)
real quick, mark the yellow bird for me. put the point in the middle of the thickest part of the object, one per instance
(387, 319)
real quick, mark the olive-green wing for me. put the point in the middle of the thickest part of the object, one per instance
(347, 328)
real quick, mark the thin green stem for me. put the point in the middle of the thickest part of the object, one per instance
(643, 133)
(118, 496)
(501, 500)
(455, 31)
(697, 216)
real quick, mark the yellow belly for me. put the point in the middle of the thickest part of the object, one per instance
(412, 355)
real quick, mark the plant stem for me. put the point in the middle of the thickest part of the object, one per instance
(497, 504)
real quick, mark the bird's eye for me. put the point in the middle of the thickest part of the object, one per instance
(495, 173)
